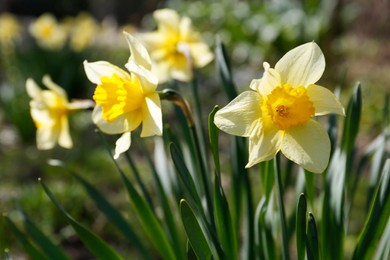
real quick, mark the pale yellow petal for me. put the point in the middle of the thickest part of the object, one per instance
(201, 54)
(32, 89)
(47, 137)
(138, 53)
(238, 117)
(80, 104)
(181, 72)
(324, 101)
(152, 123)
(263, 144)
(122, 144)
(161, 70)
(186, 31)
(307, 145)
(147, 79)
(302, 66)
(48, 82)
(134, 119)
(167, 20)
(116, 127)
(269, 81)
(64, 138)
(96, 70)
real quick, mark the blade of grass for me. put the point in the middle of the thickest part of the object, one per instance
(114, 216)
(30, 249)
(47, 246)
(96, 245)
(377, 219)
(194, 232)
(312, 239)
(301, 227)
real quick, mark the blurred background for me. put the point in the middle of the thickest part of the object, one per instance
(353, 34)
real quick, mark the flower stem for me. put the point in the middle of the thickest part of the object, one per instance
(280, 195)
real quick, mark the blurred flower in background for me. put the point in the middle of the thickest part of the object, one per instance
(49, 110)
(82, 31)
(48, 32)
(175, 47)
(10, 28)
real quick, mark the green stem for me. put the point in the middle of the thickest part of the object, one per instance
(280, 196)
(177, 99)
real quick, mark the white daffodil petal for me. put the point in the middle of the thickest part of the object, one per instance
(96, 70)
(264, 144)
(307, 145)
(122, 144)
(46, 138)
(269, 81)
(167, 19)
(201, 54)
(255, 83)
(48, 82)
(152, 123)
(138, 52)
(148, 80)
(302, 66)
(64, 138)
(32, 89)
(238, 116)
(80, 104)
(116, 127)
(324, 101)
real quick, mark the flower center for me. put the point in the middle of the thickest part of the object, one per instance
(288, 106)
(118, 96)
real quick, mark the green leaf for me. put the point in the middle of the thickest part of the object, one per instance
(377, 219)
(185, 177)
(114, 216)
(96, 245)
(224, 223)
(223, 67)
(47, 246)
(312, 239)
(194, 232)
(265, 244)
(213, 135)
(301, 227)
(30, 249)
(149, 221)
(267, 176)
(352, 120)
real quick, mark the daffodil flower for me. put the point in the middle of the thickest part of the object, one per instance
(10, 28)
(124, 99)
(175, 47)
(48, 32)
(277, 114)
(49, 110)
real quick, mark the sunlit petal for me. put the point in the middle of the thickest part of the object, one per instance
(324, 101)
(116, 127)
(148, 80)
(269, 81)
(138, 52)
(64, 138)
(307, 145)
(238, 117)
(263, 144)
(302, 66)
(152, 123)
(167, 19)
(96, 70)
(48, 82)
(122, 144)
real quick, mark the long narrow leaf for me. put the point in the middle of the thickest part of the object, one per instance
(114, 216)
(47, 246)
(30, 249)
(301, 227)
(377, 219)
(96, 245)
(194, 232)
(312, 239)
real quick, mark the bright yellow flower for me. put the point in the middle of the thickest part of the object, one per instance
(9, 28)
(48, 33)
(125, 100)
(49, 110)
(175, 47)
(277, 115)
